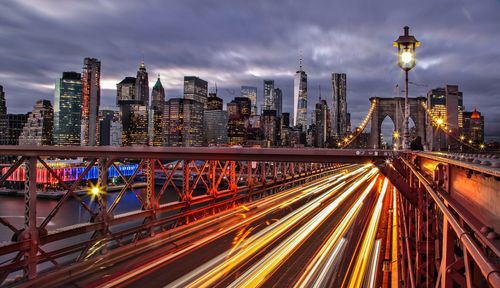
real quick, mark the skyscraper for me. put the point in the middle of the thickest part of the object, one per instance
(300, 98)
(473, 128)
(132, 95)
(215, 121)
(268, 95)
(39, 126)
(322, 124)
(270, 127)
(68, 109)
(91, 98)
(157, 109)
(339, 104)
(15, 124)
(183, 123)
(238, 112)
(195, 89)
(142, 85)
(251, 93)
(446, 104)
(278, 101)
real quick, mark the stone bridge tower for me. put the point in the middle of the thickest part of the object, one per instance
(394, 108)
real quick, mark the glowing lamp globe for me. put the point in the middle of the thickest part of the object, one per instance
(406, 45)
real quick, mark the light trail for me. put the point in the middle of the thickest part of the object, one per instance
(209, 273)
(316, 273)
(260, 272)
(309, 190)
(370, 280)
(359, 272)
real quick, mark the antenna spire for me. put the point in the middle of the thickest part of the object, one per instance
(300, 60)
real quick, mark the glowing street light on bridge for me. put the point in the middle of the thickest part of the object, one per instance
(406, 45)
(95, 192)
(439, 121)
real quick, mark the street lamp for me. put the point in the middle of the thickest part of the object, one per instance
(406, 45)
(439, 123)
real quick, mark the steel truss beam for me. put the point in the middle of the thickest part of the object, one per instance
(439, 245)
(224, 183)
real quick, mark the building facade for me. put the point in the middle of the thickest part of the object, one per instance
(183, 123)
(339, 105)
(91, 98)
(39, 125)
(300, 99)
(195, 89)
(215, 126)
(68, 109)
(109, 119)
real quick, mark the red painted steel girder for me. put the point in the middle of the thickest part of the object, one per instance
(205, 153)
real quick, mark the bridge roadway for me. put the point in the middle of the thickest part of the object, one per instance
(279, 240)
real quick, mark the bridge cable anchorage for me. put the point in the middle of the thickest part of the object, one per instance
(352, 137)
(434, 122)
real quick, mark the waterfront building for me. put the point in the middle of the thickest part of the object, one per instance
(91, 98)
(68, 109)
(39, 125)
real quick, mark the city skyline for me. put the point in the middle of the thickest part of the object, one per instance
(328, 46)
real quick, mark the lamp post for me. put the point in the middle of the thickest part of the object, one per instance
(406, 45)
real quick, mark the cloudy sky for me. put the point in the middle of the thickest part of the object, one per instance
(236, 43)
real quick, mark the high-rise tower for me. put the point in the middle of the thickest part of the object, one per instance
(278, 101)
(156, 110)
(142, 85)
(339, 105)
(268, 95)
(68, 109)
(300, 98)
(91, 97)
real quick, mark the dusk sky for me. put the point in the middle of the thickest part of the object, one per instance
(238, 43)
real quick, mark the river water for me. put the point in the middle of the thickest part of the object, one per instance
(72, 212)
